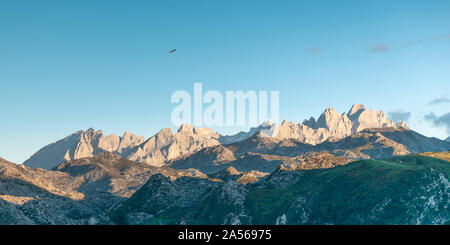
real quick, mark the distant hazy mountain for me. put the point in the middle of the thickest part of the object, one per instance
(448, 139)
(167, 145)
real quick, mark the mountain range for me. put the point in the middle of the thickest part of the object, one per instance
(357, 167)
(167, 145)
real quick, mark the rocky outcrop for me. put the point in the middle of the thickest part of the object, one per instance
(37, 196)
(56, 183)
(221, 160)
(120, 177)
(250, 177)
(108, 173)
(161, 194)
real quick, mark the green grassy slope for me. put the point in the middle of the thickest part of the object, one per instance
(401, 190)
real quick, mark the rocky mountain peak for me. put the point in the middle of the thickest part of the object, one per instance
(128, 135)
(164, 133)
(330, 110)
(402, 125)
(92, 132)
(128, 139)
(355, 109)
(232, 171)
(367, 118)
(311, 122)
(186, 128)
(331, 119)
(106, 155)
(331, 124)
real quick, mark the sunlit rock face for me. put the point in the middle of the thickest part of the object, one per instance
(331, 124)
(82, 144)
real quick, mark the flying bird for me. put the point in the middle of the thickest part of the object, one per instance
(173, 50)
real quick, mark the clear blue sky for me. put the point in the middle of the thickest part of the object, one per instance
(71, 65)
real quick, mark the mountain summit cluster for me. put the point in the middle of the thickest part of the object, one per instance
(167, 145)
(357, 167)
